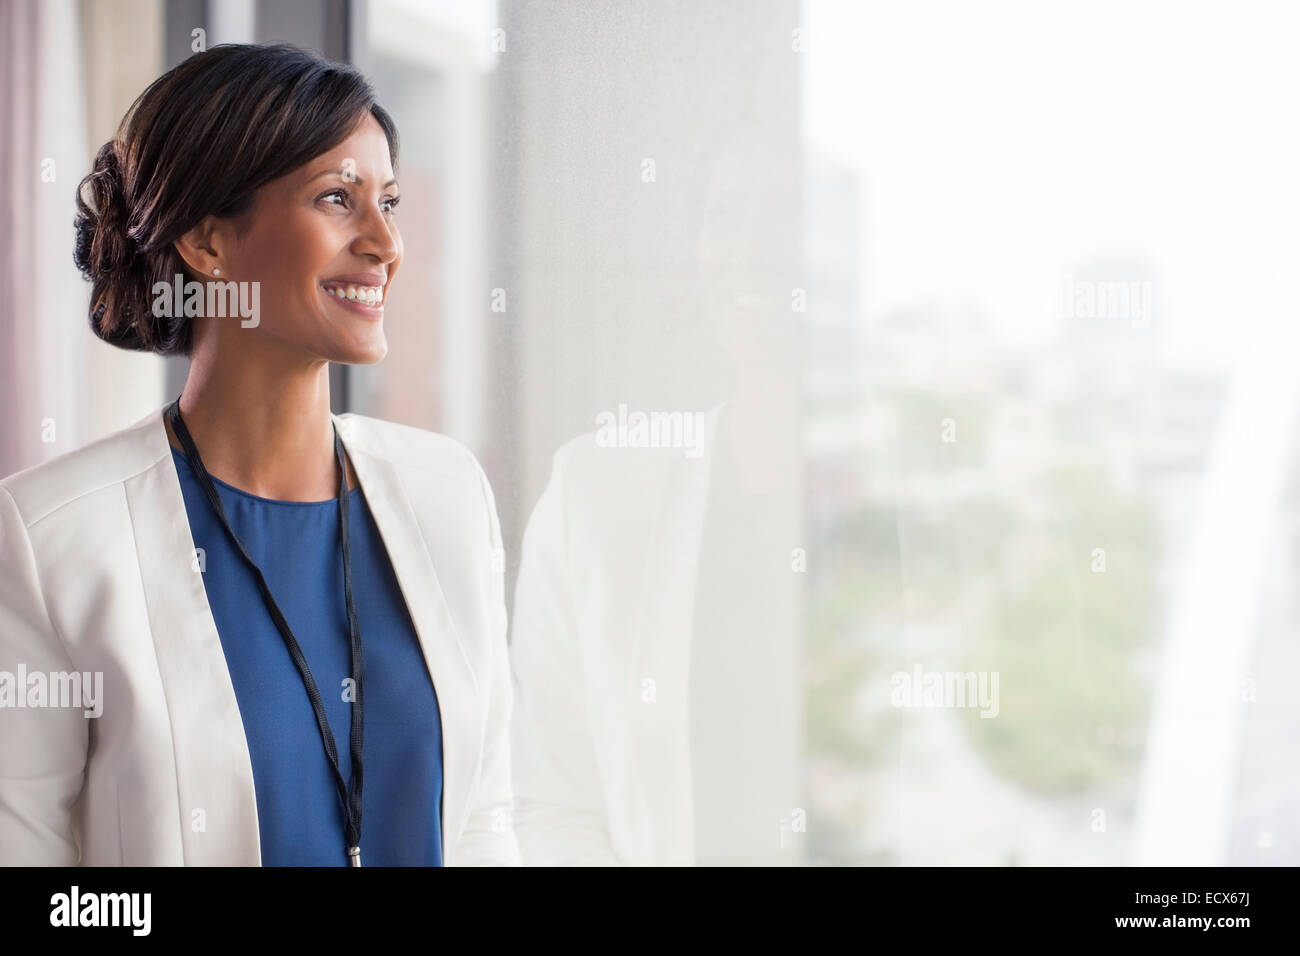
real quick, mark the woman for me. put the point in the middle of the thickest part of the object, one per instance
(297, 618)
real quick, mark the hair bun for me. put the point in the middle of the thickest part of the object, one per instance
(108, 256)
(104, 246)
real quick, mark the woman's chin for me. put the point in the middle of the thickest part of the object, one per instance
(368, 352)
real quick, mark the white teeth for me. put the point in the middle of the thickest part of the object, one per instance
(367, 295)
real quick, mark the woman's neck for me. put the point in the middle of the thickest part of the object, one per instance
(262, 429)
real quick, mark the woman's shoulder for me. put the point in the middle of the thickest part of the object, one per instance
(426, 460)
(43, 488)
(416, 448)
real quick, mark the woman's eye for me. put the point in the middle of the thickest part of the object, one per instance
(391, 202)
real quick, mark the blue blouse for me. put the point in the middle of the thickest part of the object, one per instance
(297, 546)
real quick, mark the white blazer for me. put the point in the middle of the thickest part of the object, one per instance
(97, 574)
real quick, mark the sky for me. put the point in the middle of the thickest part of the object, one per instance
(1002, 144)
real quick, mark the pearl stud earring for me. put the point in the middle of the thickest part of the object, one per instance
(216, 272)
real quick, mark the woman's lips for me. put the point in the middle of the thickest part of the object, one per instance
(353, 305)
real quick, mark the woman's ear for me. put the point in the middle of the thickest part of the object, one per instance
(200, 248)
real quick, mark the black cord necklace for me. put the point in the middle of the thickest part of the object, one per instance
(349, 792)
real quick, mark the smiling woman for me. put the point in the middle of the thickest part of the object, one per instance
(255, 577)
(184, 177)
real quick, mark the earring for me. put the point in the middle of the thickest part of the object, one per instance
(216, 272)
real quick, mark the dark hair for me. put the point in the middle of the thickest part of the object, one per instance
(200, 141)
